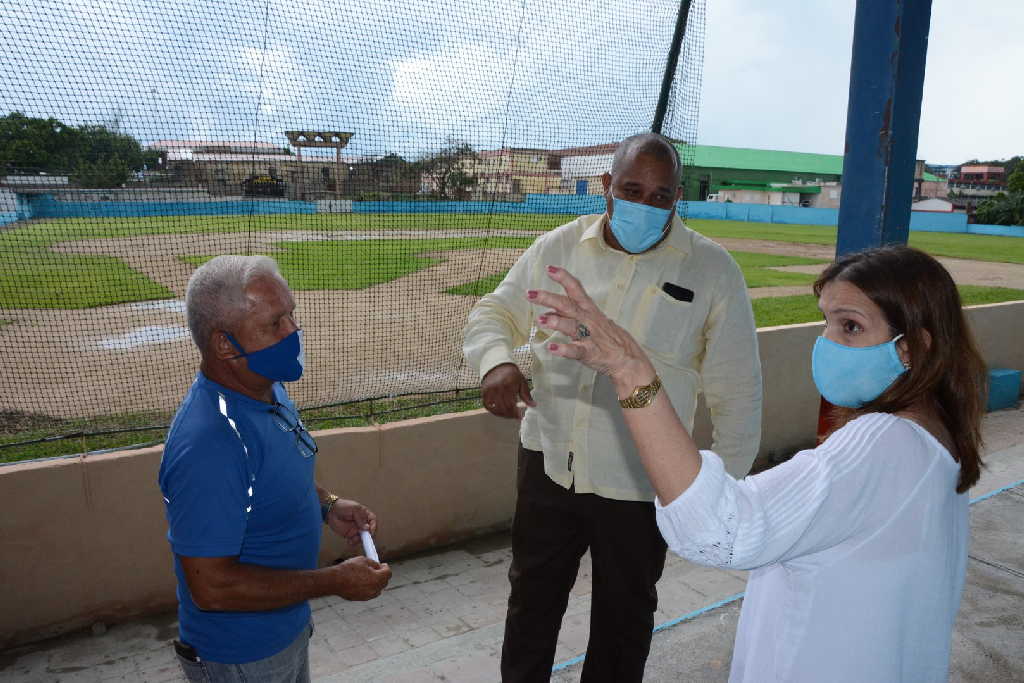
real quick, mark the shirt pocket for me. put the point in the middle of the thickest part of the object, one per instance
(667, 326)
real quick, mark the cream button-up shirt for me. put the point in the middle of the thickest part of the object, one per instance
(707, 344)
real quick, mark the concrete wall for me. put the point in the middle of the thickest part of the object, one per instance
(88, 543)
(139, 193)
(926, 221)
(46, 206)
(84, 538)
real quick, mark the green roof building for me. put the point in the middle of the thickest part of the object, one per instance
(709, 168)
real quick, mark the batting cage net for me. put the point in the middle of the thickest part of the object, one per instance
(395, 158)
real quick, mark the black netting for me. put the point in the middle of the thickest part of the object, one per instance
(394, 157)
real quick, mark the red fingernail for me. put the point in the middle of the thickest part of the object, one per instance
(543, 320)
(552, 347)
(532, 294)
(552, 269)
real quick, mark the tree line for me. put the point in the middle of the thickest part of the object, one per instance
(100, 156)
(1006, 208)
(92, 155)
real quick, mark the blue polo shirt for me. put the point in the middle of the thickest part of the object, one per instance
(236, 484)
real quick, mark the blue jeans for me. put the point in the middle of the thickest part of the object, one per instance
(290, 665)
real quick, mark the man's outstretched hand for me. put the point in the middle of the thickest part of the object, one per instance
(501, 390)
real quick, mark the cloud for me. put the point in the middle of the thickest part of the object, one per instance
(972, 100)
(405, 74)
(460, 90)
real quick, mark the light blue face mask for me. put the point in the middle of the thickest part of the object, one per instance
(851, 376)
(638, 227)
(281, 362)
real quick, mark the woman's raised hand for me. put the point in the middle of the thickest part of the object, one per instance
(597, 342)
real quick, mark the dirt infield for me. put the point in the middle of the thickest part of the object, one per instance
(394, 338)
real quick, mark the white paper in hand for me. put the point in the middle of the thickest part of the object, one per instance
(368, 548)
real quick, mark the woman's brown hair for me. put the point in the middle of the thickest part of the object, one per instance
(917, 294)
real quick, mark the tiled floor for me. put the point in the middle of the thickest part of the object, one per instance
(441, 618)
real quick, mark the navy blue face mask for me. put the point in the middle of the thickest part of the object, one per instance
(281, 362)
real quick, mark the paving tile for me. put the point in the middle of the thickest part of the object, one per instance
(434, 586)
(165, 673)
(450, 626)
(676, 598)
(480, 615)
(486, 587)
(367, 627)
(324, 661)
(389, 645)
(502, 556)
(112, 668)
(420, 675)
(564, 653)
(349, 608)
(423, 635)
(72, 675)
(475, 668)
(396, 615)
(154, 658)
(409, 594)
(355, 656)
(713, 583)
(336, 642)
(78, 654)
(575, 631)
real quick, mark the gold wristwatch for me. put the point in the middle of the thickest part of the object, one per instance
(326, 505)
(642, 396)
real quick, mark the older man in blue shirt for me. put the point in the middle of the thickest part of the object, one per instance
(237, 476)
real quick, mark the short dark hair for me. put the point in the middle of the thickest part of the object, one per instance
(648, 144)
(917, 294)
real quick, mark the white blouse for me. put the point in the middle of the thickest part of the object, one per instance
(858, 547)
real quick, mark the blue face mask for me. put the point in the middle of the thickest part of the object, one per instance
(851, 376)
(638, 227)
(281, 362)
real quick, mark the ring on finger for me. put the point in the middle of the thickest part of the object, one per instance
(582, 331)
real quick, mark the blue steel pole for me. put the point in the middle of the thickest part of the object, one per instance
(890, 42)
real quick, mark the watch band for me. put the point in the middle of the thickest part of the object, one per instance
(642, 396)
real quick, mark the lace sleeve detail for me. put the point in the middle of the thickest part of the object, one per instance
(701, 524)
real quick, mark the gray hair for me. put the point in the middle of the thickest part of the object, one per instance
(215, 298)
(648, 144)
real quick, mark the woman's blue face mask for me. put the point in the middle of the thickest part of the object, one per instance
(280, 362)
(851, 376)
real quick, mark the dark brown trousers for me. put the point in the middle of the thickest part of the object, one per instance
(551, 530)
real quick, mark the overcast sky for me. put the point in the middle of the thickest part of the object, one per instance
(776, 76)
(407, 74)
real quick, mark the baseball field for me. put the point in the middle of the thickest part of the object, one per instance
(93, 336)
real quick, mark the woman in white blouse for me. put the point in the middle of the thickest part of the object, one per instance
(858, 547)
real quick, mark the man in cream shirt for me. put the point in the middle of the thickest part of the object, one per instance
(580, 483)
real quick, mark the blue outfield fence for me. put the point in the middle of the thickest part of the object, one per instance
(45, 206)
(920, 221)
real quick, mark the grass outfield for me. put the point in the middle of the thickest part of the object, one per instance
(33, 276)
(36, 277)
(803, 308)
(358, 264)
(755, 267)
(951, 245)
